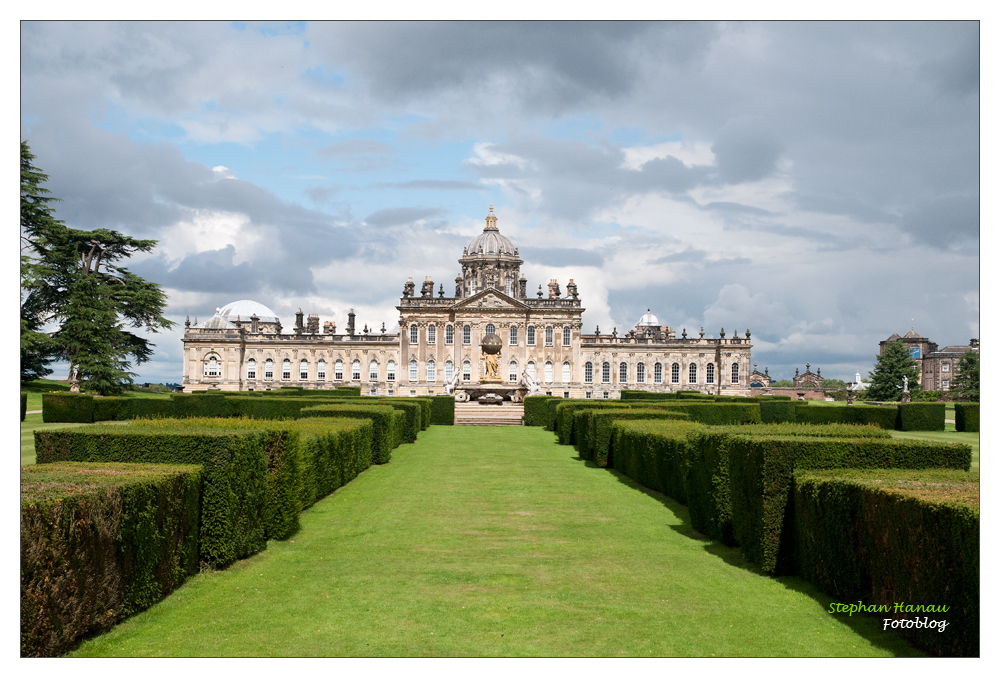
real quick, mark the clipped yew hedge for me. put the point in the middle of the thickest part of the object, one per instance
(100, 542)
(599, 434)
(349, 391)
(443, 410)
(884, 417)
(68, 407)
(885, 537)
(234, 473)
(967, 417)
(536, 411)
(384, 432)
(920, 417)
(760, 480)
(776, 411)
(566, 408)
(653, 452)
(334, 452)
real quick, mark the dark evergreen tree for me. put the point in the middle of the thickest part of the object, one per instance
(72, 277)
(965, 385)
(890, 368)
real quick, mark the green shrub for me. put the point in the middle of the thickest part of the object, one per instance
(383, 429)
(920, 417)
(599, 435)
(536, 412)
(760, 479)
(739, 411)
(115, 408)
(443, 410)
(426, 403)
(349, 391)
(334, 452)
(774, 411)
(653, 452)
(550, 424)
(203, 404)
(24, 405)
(234, 472)
(110, 408)
(885, 537)
(68, 407)
(100, 542)
(411, 422)
(399, 425)
(566, 408)
(884, 417)
(967, 417)
(643, 395)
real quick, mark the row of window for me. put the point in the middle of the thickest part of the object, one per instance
(449, 335)
(212, 370)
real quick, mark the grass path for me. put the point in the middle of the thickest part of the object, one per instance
(494, 542)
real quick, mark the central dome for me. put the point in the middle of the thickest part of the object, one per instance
(648, 320)
(490, 239)
(244, 308)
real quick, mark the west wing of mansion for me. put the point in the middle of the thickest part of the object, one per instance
(543, 347)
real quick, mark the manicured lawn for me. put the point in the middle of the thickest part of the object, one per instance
(494, 542)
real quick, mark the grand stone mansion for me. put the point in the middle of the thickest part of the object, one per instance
(489, 336)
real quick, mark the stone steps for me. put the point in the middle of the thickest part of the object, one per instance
(474, 414)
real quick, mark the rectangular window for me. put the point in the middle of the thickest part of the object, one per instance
(606, 373)
(303, 375)
(675, 374)
(449, 335)
(589, 394)
(390, 371)
(566, 336)
(467, 335)
(945, 383)
(269, 370)
(623, 373)
(531, 336)
(513, 335)
(413, 370)
(548, 336)
(321, 371)
(588, 373)
(466, 371)
(356, 371)
(432, 334)
(710, 373)
(252, 371)
(286, 370)
(373, 372)
(431, 371)
(605, 395)
(657, 373)
(945, 367)
(338, 371)
(692, 374)
(413, 334)
(512, 374)
(640, 373)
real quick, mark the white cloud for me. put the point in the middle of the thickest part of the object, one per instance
(688, 152)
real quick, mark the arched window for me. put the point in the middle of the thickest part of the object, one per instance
(531, 369)
(431, 370)
(268, 369)
(467, 335)
(390, 371)
(472, 285)
(449, 371)
(466, 371)
(710, 373)
(286, 369)
(640, 373)
(548, 336)
(692, 374)
(413, 370)
(548, 372)
(566, 336)
(588, 372)
(531, 335)
(251, 369)
(373, 371)
(212, 367)
(491, 329)
(513, 335)
(736, 373)
(413, 334)
(432, 334)
(622, 373)
(356, 370)
(675, 374)
(303, 370)
(321, 370)
(338, 370)
(567, 373)
(507, 287)
(657, 373)
(606, 372)
(512, 372)
(449, 335)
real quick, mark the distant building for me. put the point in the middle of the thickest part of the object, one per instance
(492, 334)
(937, 366)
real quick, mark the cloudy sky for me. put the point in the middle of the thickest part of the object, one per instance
(817, 183)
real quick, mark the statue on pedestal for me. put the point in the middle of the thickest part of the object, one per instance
(530, 383)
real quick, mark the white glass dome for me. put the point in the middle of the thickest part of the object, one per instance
(244, 308)
(648, 320)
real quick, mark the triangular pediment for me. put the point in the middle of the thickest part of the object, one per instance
(490, 298)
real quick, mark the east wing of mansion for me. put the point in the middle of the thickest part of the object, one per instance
(529, 344)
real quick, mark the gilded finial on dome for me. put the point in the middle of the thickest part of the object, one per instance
(491, 220)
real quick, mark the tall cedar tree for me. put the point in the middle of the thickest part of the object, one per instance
(71, 277)
(966, 383)
(36, 217)
(890, 368)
